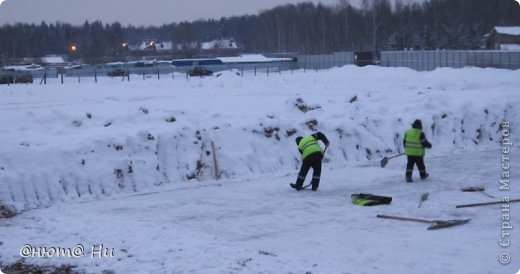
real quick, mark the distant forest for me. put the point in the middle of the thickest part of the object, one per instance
(304, 28)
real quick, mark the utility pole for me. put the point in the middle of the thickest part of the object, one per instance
(346, 6)
(375, 26)
(279, 33)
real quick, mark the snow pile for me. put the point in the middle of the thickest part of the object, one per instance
(88, 141)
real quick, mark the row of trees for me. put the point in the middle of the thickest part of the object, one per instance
(302, 28)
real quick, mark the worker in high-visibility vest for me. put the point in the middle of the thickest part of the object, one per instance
(312, 155)
(414, 143)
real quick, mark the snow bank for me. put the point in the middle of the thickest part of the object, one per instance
(88, 141)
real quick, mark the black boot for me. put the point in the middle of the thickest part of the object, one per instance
(424, 176)
(408, 176)
(296, 187)
(315, 183)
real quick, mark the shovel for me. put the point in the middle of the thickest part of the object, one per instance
(384, 161)
(436, 224)
(424, 197)
(476, 189)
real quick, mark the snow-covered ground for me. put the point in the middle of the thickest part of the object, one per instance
(129, 165)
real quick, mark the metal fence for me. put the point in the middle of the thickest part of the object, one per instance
(430, 60)
(325, 61)
(89, 73)
(125, 73)
(418, 60)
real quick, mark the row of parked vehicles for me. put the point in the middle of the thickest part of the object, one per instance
(21, 78)
(195, 71)
(25, 74)
(195, 68)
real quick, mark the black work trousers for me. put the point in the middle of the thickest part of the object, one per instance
(412, 161)
(314, 161)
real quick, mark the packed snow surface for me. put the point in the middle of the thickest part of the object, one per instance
(130, 165)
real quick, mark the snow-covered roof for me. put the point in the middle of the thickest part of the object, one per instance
(207, 45)
(114, 64)
(53, 60)
(510, 47)
(192, 59)
(223, 44)
(508, 30)
(164, 45)
(24, 67)
(251, 58)
(151, 45)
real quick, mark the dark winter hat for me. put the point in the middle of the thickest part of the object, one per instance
(298, 139)
(417, 124)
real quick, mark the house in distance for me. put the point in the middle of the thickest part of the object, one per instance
(503, 38)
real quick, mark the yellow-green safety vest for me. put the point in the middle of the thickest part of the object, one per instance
(309, 145)
(413, 146)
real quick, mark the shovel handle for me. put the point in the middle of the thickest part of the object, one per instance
(490, 203)
(384, 161)
(490, 196)
(403, 219)
(395, 156)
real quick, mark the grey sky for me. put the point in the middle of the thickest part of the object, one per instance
(135, 12)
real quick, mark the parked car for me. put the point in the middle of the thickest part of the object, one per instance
(199, 71)
(6, 79)
(117, 72)
(21, 78)
(24, 78)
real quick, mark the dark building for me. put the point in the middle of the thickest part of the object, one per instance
(503, 38)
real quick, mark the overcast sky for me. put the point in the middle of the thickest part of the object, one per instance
(135, 12)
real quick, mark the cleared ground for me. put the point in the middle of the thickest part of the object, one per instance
(263, 226)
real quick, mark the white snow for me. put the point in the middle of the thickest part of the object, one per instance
(109, 163)
(251, 58)
(31, 67)
(511, 30)
(515, 47)
(53, 59)
(114, 64)
(221, 44)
